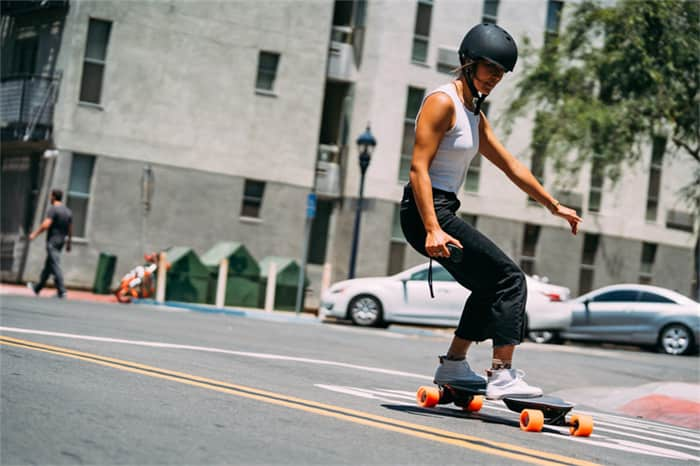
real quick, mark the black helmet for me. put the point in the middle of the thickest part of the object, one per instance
(489, 42)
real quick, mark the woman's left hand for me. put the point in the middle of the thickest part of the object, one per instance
(569, 215)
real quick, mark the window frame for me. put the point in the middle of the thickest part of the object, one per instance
(527, 261)
(87, 196)
(595, 189)
(488, 17)
(246, 200)
(263, 71)
(409, 120)
(96, 62)
(655, 168)
(421, 37)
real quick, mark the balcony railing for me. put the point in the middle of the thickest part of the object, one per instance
(27, 106)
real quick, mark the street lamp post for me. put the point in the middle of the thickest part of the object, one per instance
(365, 144)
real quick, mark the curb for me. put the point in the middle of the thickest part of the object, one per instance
(276, 316)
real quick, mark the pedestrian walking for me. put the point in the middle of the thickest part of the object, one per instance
(450, 131)
(59, 227)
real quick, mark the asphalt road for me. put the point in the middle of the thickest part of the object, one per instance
(86, 383)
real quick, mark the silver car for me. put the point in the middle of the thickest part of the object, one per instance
(637, 314)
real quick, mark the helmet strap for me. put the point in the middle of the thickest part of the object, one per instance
(477, 99)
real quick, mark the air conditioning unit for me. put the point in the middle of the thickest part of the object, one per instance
(679, 220)
(570, 199)
(447, 59)
(327, 179)
(341, 60)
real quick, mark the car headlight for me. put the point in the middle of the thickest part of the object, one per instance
(337, 290)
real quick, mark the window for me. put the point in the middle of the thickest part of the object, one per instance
(252, 198)
(421, 275)
(531, 235)
(617, 296)
(471, 180)
(595, 193)
(95, 61)
(413, 102)
(554, 8)
(537, 167)
(657, 159)
(490, 14)
(397, 247)
(647, 297)
(647, 263)
(678, 220)
(421, 31)
(590, 247)
(78, 196)
(267, 71)
(439, 275)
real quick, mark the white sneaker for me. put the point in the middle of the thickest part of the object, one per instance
(30, 285)
(458, 372)
(509, 382)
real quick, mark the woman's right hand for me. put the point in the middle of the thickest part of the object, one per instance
(436, 242)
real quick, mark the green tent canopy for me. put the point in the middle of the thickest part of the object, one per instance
(243, 278)
(187, 278)
(287, 280)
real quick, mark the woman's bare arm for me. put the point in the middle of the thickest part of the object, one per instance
(492, 149)
(436, 118)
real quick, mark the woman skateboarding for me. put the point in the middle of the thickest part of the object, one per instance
(450, 131)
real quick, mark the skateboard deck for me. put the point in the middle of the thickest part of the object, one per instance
(534, 412)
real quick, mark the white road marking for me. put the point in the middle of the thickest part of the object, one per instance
(632, 447)
(278, 357)
(605, 440)
(690, 434)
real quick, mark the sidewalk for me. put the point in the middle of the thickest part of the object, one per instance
(72, 295)
(670, 402)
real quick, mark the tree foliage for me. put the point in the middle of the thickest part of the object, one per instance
(619, 75)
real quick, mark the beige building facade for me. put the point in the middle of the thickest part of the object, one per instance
(180, 123)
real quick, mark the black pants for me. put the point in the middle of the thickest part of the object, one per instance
(52, 266)
(495, 308)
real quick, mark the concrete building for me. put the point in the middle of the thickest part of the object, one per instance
(174, 123)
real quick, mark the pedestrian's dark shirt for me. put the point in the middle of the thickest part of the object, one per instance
(61, 217)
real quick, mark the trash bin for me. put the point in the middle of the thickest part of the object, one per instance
(106, 264)
(287, 281)
(187, 278)
(243, 277)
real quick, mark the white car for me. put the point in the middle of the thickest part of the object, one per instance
(404, 298)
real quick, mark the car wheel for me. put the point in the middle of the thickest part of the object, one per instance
(541, 336)
(365, 311)
(675, 339)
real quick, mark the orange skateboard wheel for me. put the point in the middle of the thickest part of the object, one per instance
(531, 420)
(427, 397)
(475, 404)
(581, 425)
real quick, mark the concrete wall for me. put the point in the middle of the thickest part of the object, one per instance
(189, 208)
(179, 94)
(179, 86)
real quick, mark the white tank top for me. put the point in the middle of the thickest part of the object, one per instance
(458, 147)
